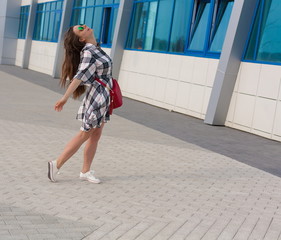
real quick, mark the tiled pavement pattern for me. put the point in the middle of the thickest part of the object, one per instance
(18, 223)
(154, 186)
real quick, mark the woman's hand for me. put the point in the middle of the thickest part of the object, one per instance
(59, 104)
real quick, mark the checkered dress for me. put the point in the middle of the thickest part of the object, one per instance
(94, 109)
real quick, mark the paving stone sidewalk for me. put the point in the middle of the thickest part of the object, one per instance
(154, 186)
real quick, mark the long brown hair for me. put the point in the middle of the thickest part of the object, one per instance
(73, 47)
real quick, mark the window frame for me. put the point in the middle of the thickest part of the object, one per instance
(100, 35)
(213, 12)
(243, 59)
(42, 13)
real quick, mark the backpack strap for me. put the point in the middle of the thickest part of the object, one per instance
(102, 83)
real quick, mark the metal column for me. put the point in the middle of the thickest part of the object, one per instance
(65, 23)
(120, 34)
(229, 63)
(29, 34)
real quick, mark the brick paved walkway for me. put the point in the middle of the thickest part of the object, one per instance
(154, 186)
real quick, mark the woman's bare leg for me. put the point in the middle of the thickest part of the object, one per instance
(73, 146)
(91, 148)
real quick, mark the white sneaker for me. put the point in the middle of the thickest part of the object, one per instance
(89, 176)
(53, 171)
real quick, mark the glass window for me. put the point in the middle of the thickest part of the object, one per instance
(24, 13)
(180, 26)
(108, 1)
(139, 25)
(97, 14)
(47, 23)
(199, 28)
(265, 39)
(221, 25)
(182, 14)
(105, 25)
(97, 22)
(150, 26)
(115, 12)
(89, 17)
(90, 2)
(163, 23)
(99, 2)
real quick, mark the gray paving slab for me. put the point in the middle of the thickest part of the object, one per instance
(155, 185)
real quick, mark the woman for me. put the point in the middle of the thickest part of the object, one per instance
(84, 61)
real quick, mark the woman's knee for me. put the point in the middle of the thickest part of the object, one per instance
(84, 135)
(96, 134)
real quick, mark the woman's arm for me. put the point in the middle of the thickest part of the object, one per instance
(71, 88)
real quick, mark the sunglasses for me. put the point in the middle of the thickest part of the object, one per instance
(81, 28)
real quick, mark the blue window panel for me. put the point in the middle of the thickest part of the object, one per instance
(47, 23)
(150, 26)
(97, 22)
(51, 26)
(108, 1)
(163, 23)
(137, 31)
(264, 44)
(53, 6)
(250, 53)
(89, 17)
(24, 13)
(97, 14)
(57, 26)
(116, 1)
(46, 26)
(182, 14)
(76, 16)
(36, 34)
(80, 3)
(198, 36)
(59, 5)
(105, 26)
(115, 12)
(269, 48)
(99, 2)
(91, 2)
(221, 25)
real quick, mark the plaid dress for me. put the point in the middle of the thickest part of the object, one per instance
(94, 109)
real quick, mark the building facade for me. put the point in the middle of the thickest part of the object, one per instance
(217, 60)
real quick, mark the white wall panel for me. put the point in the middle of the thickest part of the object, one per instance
(245, 105)
(269, 81)
(175, 64)
(277, 123)
(200, 71)
(206, 99)
(182, 95)
(25, 2)
(249, 78)
(42, 56)
(174, 82)
(171, 92)
(152, 59)
(159, 89)
(19, 53)
(211, 72)
(162, 65)
(196, 98)
(263, 118)
(186, 70)
(255, 103)
(231, 110)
